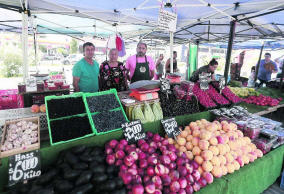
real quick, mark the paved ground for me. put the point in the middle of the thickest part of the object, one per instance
(274, 189)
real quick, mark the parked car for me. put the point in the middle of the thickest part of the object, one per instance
(72, 59)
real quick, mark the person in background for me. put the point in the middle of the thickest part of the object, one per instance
(113, 73)
(160, 67)
(168, 63)
(266, 68)
(279, 63)
(210, 69)
(251, 83)
(140, 66)
(86, 71)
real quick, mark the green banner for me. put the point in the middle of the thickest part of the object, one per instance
(192, 60)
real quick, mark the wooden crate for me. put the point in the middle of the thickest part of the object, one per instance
(20, 150)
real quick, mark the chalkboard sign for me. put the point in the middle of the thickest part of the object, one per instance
(133, 131)
(24, 166)
(171, 127)
(204, 79)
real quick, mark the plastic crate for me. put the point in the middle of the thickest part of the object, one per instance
(111, 91)
(282, 181)
(74, 95)
(9, 99)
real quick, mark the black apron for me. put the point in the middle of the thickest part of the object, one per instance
(141, 72)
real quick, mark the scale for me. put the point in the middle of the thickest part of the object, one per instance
(143, 95)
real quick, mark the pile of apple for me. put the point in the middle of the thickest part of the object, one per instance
(219, 148)
(155, 166)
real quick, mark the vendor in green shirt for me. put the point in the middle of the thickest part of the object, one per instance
(86, 71)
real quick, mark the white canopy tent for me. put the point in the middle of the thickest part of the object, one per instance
(198, 20)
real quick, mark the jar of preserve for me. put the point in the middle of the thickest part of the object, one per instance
(40, 86)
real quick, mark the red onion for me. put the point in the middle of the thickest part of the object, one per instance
(182, 191)
(159, 144)
(172, 148)
(167, 170)
(194, 164)
(151, 150)
(174, 174)
(149, 134)
(118, 163)
(190, 178)
(152, 160)
(153, 145)
(180, 161)
(189, 168)
(129, 160)
(136, 179)
(143, 163)
(127, 178)
(141, 155)
(132, 171)
(119, 147)
(160, 169)
(175, 187)
(113, 143)
(158, 191)
(119, 154)
(196, 175)
(189, 189)
(165, 142)
(156, 138)
(144, 147)
(150, 187)
(157, 181)
(172, 156)
(208, 177)
(146, 178)
(196, 186)
(123, 167)
(182, 171)
(134, 155)
(123, 142)
(108, 150)
(140, 172)
(140, 142)
(202, 182)
(137, 189)
(166, 180)
(151, 171)
(182, 183)
(128, 148)
(172, 165)
(110, 159)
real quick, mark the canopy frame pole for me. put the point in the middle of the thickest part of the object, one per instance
(258, 63)
(197, 49)
(171, 51)
(25, 44)
(229, 49)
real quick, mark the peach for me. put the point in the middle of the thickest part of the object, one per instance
(176, 146)
(189, 155)
(198, 160)
(194, 128)
(217, 171)
(196, 133)
(35, 108)
(227, 148)
(213, 141)
(222, 149)
(232, 145)
(207, 155)
(184, 134)
(229, 157)
(204, 121)
(214, 150)
(182, 149)
(246, 159)
(225, 138)
(258, 153)
(215, 161)
(236, 165)
(211, 127)
(252, 157)
(205, 135)
(222, 159)
(42, 108)
(230, 167)
(207, 166)
(181, 141)
(252, 146)
(224, 170)
(200, 170)
(216, 133)
(196, 151)
(226, 127)
(240, 161)
(234, 154)
(189, 145)
(247, 140)
(171, 140)
(240, 133)
(224, 122)
(203, 144)
(192, 124)
(187, 128)
(189, 138)
(195, 141)
(233, 126)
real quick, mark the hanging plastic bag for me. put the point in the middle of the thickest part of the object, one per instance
(148, 113)
(138, 114)
(157, 110)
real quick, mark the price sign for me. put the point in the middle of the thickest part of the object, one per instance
(171, 127)
(133, 131)
(203, 78)
(167, 21)
(24, 166)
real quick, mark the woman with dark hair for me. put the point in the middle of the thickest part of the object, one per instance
(113, 73)
(209, 69)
